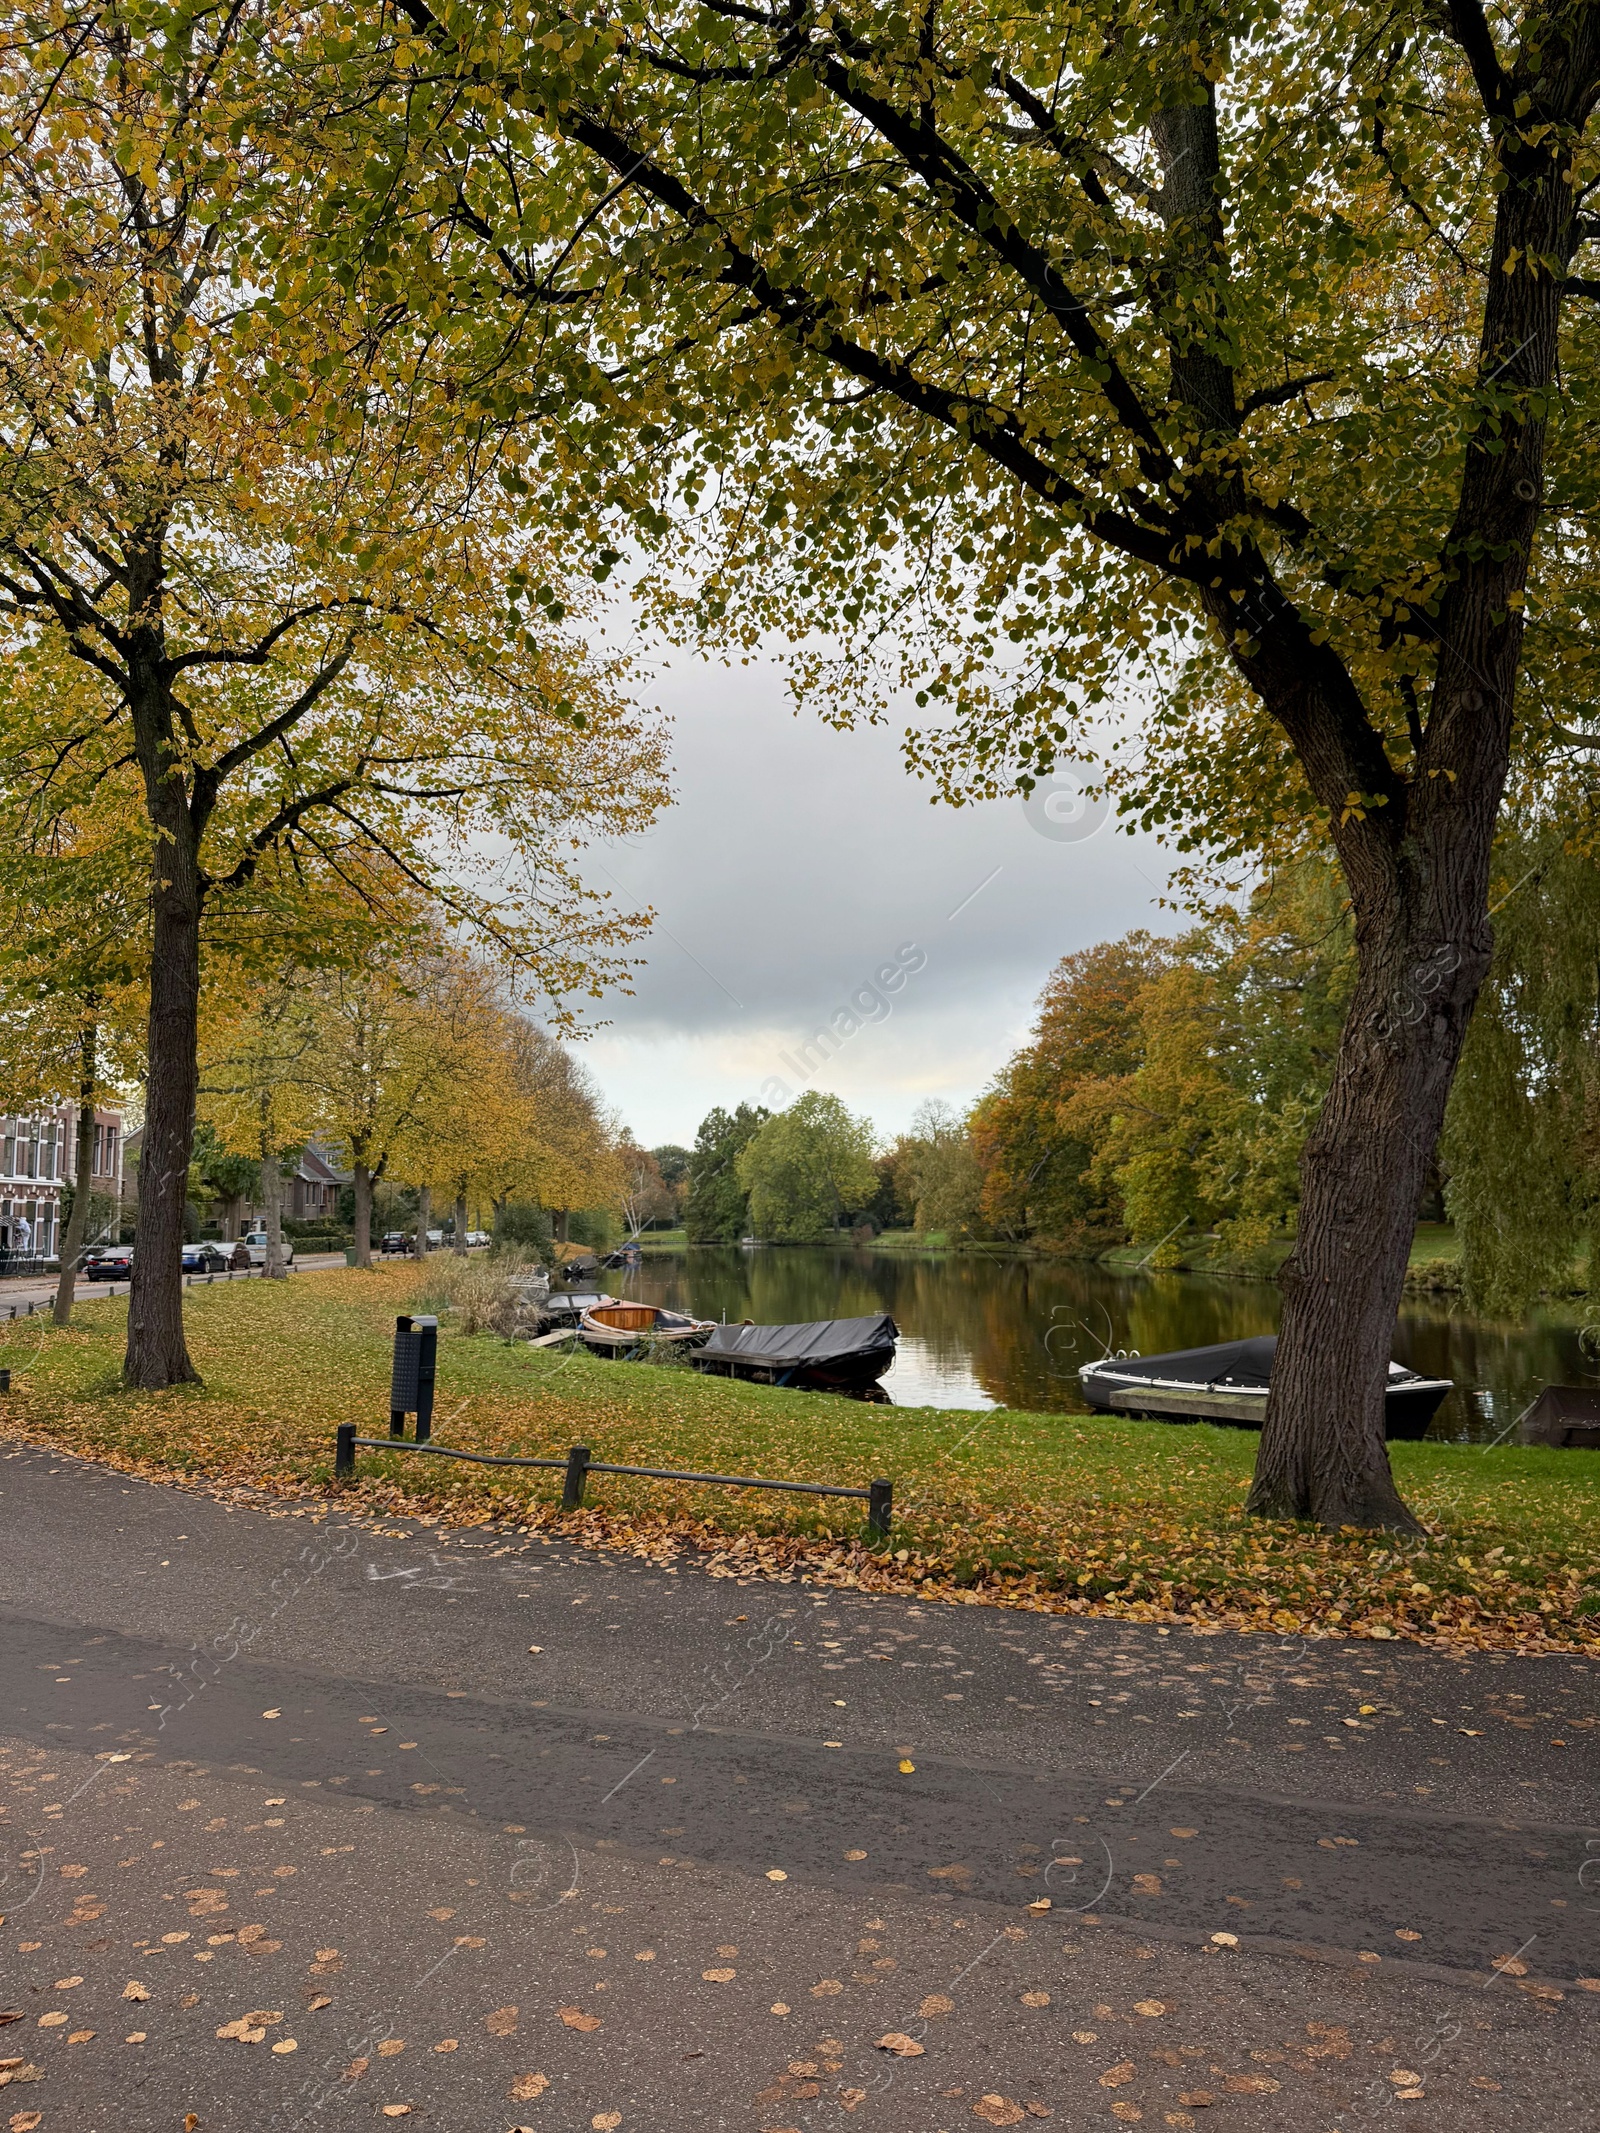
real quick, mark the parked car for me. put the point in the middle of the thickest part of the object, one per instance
(256, 1245)
(109, 1262)
(204, 1258)
(479, 1236)
(395, 1240)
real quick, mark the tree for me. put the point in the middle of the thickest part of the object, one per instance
(937, 1172)
(645, 1197)
(1035, 1131)
(717, 1207)
(673, 1164)
(1521, 1147)
(285, 562)
(806, 1168)
(72, 990)
(1220, 344)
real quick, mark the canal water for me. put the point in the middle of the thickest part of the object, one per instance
(987, 1330)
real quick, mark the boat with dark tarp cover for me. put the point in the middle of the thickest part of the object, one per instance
(826, 1355)
(1228, 1382)
(1565, 1416)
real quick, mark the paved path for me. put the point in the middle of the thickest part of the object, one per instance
(671, 1863)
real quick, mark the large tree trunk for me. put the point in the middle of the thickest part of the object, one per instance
(272, 1208)
(363, 1221)
(1323, 1454)
(157, 1355)
(78, 1221)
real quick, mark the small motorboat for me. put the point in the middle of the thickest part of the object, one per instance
(640, 1329)
(825, 1355)
(562, 1310)
(1566, 1417)
(1228, 1382)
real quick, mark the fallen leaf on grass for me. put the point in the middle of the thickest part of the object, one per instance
(575, 2018)
(502, 2022)
(527, 2087)
(903, 2047)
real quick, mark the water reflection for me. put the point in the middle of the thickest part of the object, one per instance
(982, 1330)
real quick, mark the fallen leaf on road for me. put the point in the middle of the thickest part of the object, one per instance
(901, 2045)
(826, 1988)
(998, 2111)
(1040, 2110)
(719, 1977)
(502, 2022)
(536, 1647)
(25, 2121)
(606, 2121)
(776, 1873)
(906, 1767)
(1183, 1833)
(1150, 2007)
(133, 1990)
(1482, 2081)
(315, 2006)
(397, 2110)
(852, 2099)
(1039, 1905)
(391, 2047)
(575, 2018)
(1129, 2113)
(1115, 2076)
(780, 2007)
(1405, 1933)
(1251, 2085)
(1086, 2036)
(1147, 1884)
(285, 2044)
(527, 2086)
(80, 2036)
(1036, 1999)
(52, 2021)
(1197, 2099)
(935, 2003)
(272, 1714)
(855, 1855)
(1509, 1965)
(1225, 1940)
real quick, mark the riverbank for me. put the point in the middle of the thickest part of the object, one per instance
(1045, 1511)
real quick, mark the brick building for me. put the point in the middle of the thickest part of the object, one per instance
(38, 1157)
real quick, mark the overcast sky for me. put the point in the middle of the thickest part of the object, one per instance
(799, 864)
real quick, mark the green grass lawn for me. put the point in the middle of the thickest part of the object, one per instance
(1134, 1518)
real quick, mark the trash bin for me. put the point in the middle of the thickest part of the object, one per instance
(349, 1255)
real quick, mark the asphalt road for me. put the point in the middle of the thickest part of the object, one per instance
(489, 1831)
(19, 1298)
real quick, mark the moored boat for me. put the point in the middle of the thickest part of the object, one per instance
(562, 1310)
(1566, 1417)
(821, 1355)
(637, 1329)
(1228, 1382)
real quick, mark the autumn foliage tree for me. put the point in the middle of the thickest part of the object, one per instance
(285, 561)
(1248, 352)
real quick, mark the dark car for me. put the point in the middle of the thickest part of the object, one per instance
(204, 1258)
(395, 1240)
(112, 1262)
